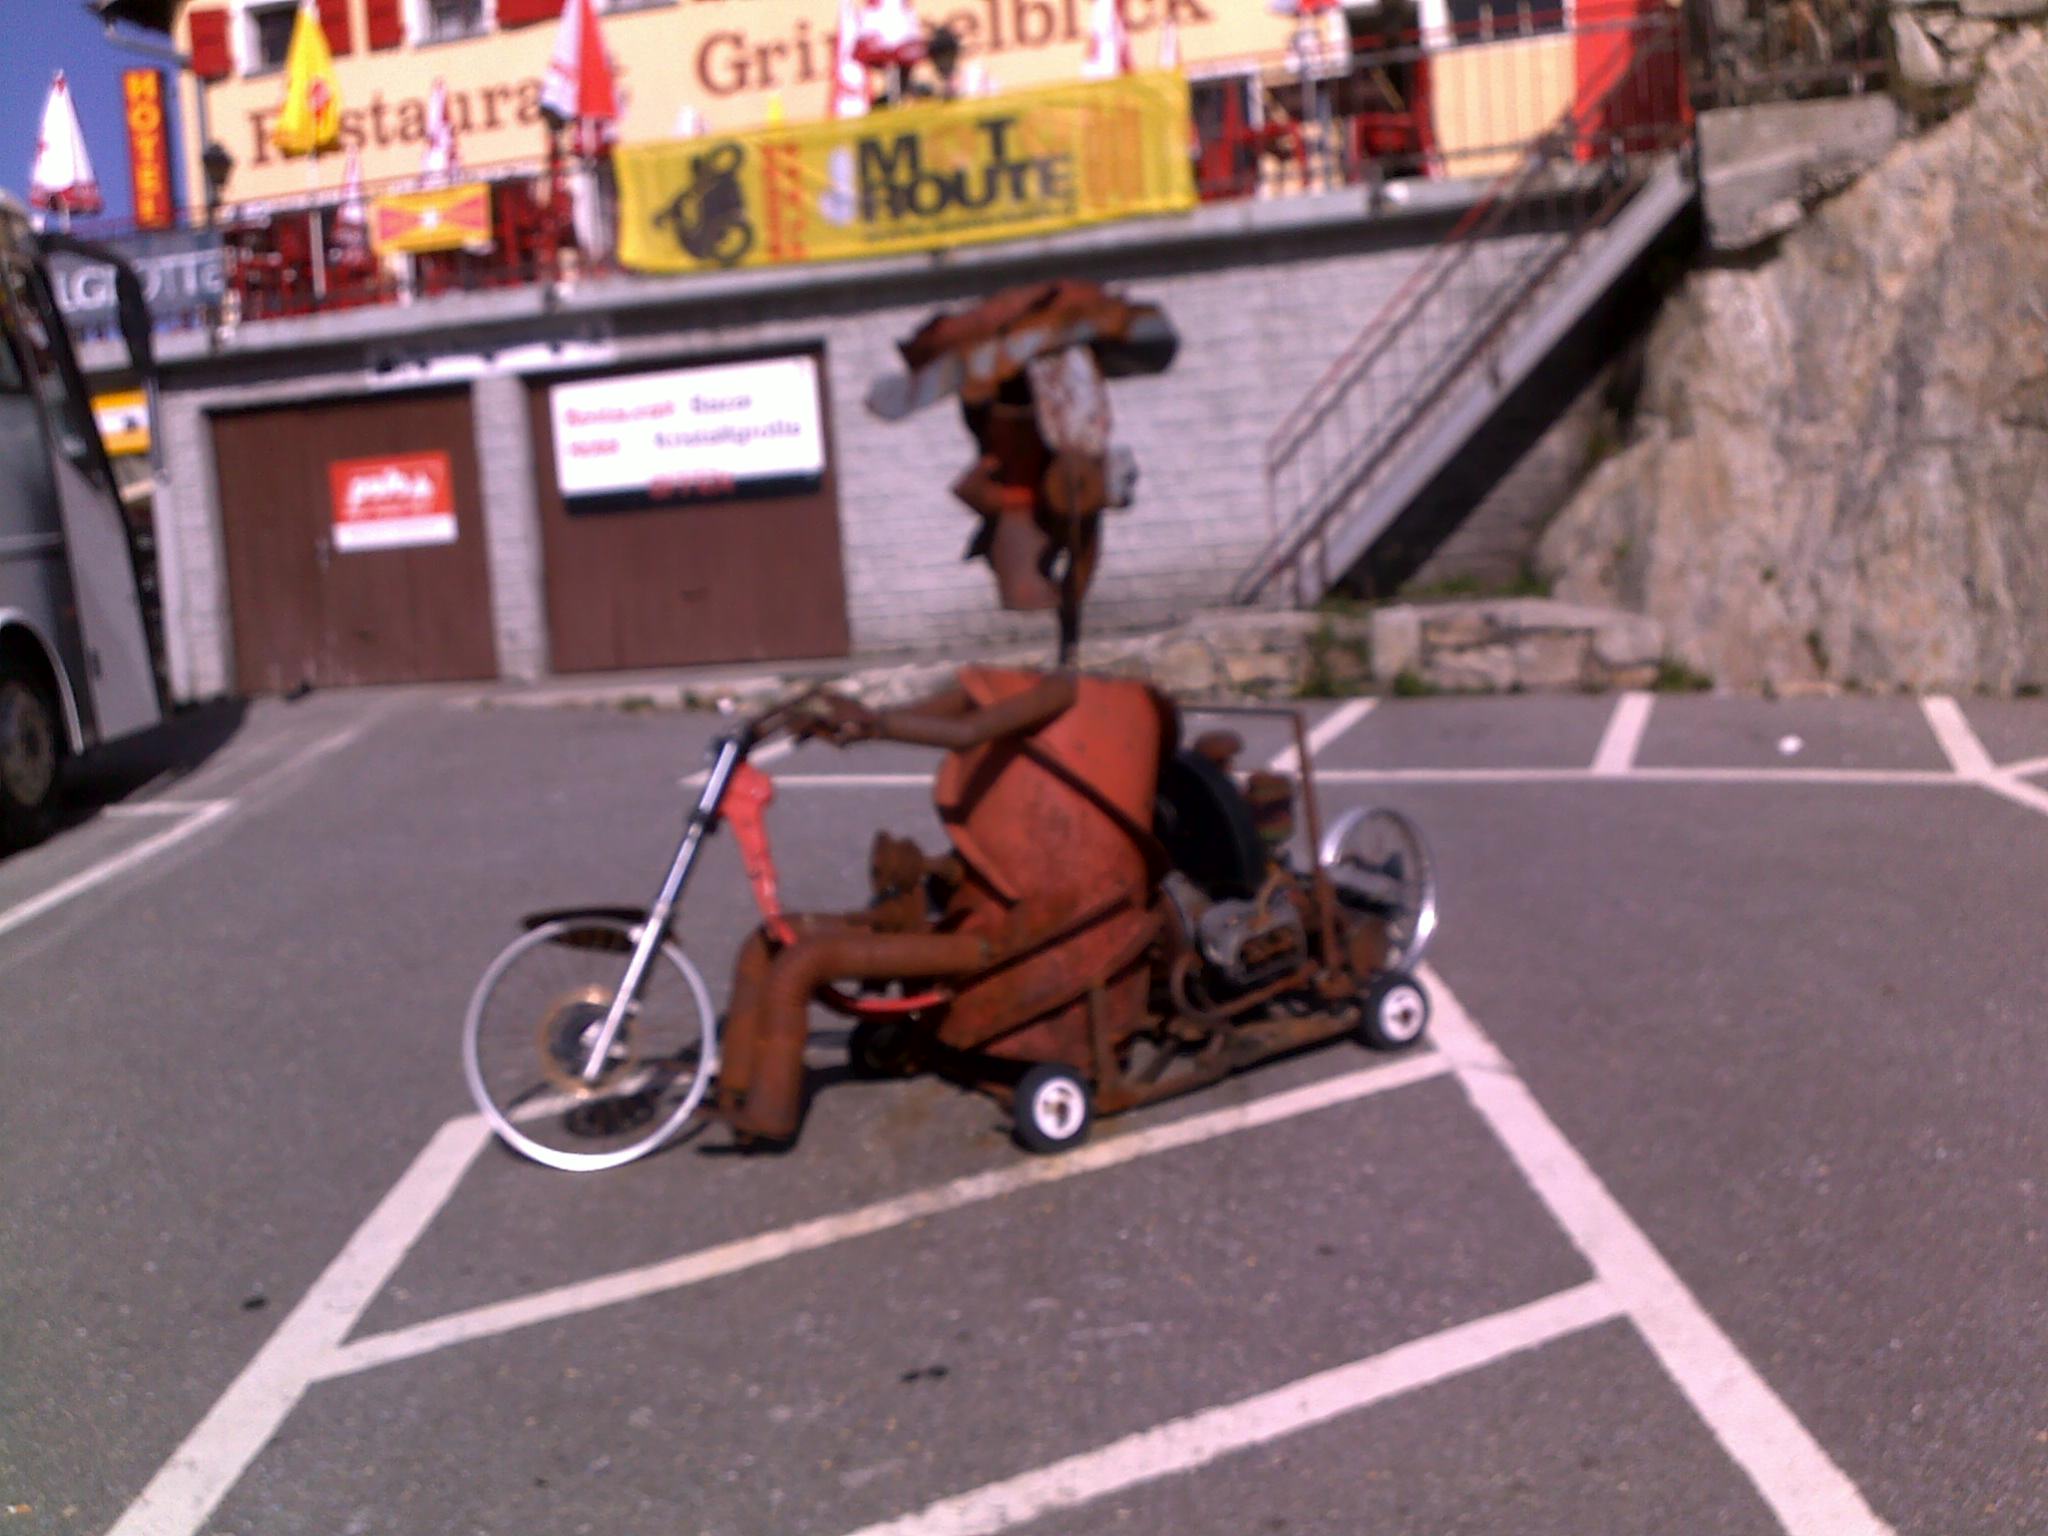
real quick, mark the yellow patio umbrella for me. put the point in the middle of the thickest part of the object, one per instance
(311, 119)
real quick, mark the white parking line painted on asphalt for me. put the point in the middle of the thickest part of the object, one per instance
(1873, 776)
(1110, 1151)
(1322, 733)
(197, 819)
(2024, 768)
(760, 757)
(2019, 791)
(853, 780)
(1192, 1442)
(190, 1486)
(1808, 1493)
(1624, 734)
(200, 814)
(1959, 743)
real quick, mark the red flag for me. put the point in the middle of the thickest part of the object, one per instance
(579, 87)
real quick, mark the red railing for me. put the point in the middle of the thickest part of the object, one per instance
(1369, 112)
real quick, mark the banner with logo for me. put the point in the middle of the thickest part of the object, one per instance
(910, 178)
(394, 501)
(181, 272)
(149, 147)
(689, 434)
(445, 219)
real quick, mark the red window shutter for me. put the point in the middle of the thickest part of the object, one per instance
(520, 13)
(384, 23)
(209, 33)
(334, 22)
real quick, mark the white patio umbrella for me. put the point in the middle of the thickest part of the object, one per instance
(1169, 41)
(441, 159)
(889, 38)
(849, 75)
(352, 218)
(61, 180)
(1109, 42)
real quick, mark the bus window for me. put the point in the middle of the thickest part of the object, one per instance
(11, 380)
(65, 405)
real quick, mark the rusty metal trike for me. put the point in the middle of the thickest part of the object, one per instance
(591, 1040)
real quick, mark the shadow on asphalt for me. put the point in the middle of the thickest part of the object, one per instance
(163, 754)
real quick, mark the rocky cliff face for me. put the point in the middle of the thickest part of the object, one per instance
(1838, 470)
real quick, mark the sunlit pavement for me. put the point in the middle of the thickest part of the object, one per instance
(1714, 1204)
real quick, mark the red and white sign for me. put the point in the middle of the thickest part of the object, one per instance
(394, 501)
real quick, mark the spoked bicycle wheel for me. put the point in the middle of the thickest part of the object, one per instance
(1379, 863)
(536, 1018)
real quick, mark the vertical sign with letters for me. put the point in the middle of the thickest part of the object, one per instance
(149, 147)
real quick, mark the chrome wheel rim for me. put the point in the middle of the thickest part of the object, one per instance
(1378, 860)
(1059, 1109)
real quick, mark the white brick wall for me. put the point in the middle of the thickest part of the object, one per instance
(1259, 323)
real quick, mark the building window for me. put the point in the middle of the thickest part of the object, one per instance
(449, 19)
(269, 36)
(1486, 21)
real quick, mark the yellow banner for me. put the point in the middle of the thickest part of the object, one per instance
(909, 178)
(123, 419)
(445, 219)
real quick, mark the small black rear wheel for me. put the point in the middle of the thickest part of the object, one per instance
(30, 754)
(1053, 1109)
(1396, 1012)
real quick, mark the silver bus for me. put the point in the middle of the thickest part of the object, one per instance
(77, 666)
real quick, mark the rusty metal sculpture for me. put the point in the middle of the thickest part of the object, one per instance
(1116, 919)
(1029, 367)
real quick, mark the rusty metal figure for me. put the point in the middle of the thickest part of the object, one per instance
(1029, 367)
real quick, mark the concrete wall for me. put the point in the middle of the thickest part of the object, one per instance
(1265, 297)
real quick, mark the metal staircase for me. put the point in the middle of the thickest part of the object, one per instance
(1475, 321)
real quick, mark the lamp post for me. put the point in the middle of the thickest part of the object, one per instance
(163, 53)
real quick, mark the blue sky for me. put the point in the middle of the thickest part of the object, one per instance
(44, 36)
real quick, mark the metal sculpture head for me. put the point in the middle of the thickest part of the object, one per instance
(1029, 366)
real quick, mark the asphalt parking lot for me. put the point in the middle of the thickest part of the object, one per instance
(1714, 1203)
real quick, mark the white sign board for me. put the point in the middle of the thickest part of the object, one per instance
(692, 433)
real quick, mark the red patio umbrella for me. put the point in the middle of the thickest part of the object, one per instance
(579, 87)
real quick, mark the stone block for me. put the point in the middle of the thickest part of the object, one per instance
(1628, 640)
(1551, 662)
(1473, 669)
(1453, 628)
(1396, 642)
(1184, 666)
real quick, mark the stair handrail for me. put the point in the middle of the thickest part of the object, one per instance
(1511, 189)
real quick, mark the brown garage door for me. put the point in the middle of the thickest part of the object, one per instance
(389, 587)
(647, 583)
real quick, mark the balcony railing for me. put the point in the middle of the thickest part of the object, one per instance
(1386, 112)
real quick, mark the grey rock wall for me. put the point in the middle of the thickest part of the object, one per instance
(1839, 469)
